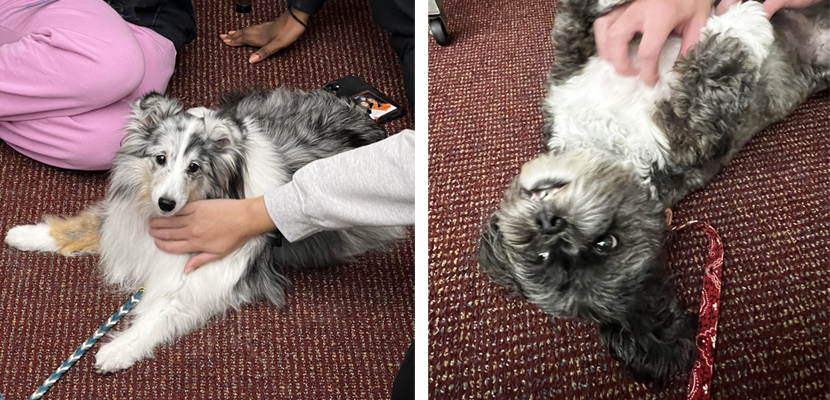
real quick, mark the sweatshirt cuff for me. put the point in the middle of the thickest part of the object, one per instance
(306, 6)
(284, 206)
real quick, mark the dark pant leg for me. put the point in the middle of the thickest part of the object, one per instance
(398, 18)
(404, 386)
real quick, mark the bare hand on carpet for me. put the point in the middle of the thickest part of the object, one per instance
(270, 37)
(211, 228)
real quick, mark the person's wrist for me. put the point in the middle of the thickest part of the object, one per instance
(259, 222)
(299, 16)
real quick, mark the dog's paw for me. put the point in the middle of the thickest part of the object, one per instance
(117, 355)
(748, 23)
(31, 238)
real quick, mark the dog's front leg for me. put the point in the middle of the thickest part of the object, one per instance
(157, 320)
(712, 89)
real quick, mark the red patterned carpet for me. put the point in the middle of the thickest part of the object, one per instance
(770, 206)
(344, 329)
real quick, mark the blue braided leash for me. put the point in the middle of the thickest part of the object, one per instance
(82, 349)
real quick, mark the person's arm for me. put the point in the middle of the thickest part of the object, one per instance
(369, 186)
(372, 185)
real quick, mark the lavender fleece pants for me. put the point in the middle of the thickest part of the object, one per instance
(69, 70)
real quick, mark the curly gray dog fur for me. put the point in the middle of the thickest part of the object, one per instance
(580, 232)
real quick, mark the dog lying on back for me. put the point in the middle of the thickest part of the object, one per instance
(170, 157)
(581, 230)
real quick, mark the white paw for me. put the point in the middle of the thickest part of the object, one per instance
(117, 355)
(748, 23)
(31, 238)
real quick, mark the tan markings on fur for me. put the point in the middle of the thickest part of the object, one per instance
(76, 235)
(146, 192)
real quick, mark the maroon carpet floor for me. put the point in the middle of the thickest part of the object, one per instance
(344, 329)
(770, 206)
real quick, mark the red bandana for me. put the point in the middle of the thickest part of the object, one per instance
(700, 381)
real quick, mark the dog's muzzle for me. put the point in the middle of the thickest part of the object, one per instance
(549, 223)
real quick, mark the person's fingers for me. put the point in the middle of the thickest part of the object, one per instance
(188, 209)
(692, 34)
(174, 246)
(168, 222)
(601, 26)
(648, 55)
(272, 47)
(276, 44)
(772, 6)
(617, 41)
(288, 33)
(238, 37)
(199, 260)
(168, 234)
(180, 220)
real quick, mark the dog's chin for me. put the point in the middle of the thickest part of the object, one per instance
(164, 214)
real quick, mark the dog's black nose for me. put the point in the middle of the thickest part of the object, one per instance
(548, 223)
(166, 204)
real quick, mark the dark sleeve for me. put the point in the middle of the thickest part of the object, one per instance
(172, 19)
(395, 16)
(309, 7)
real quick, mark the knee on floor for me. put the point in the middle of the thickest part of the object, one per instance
(106, 70)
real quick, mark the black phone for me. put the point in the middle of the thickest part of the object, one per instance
(378, 106)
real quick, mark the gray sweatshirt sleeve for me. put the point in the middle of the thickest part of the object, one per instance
(373, 185)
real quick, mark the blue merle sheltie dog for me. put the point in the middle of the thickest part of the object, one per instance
(252, 143)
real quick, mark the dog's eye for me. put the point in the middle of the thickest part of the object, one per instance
(193, 168)
(161, 159)
(543, 189)
(542, 257)
(605, 244)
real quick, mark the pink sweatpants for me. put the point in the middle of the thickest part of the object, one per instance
(69, 70)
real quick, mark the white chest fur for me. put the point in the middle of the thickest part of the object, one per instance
(600, 109)
(128, 254)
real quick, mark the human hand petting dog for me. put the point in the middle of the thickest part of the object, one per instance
(270, 37)
(212, 228)
(655, 20)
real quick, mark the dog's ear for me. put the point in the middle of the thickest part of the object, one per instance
(655, 338)
(226, 135)
(493, 259)
(146, 114)
(223, 131)
(150, 109)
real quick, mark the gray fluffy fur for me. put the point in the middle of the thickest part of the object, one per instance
(549, 239)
